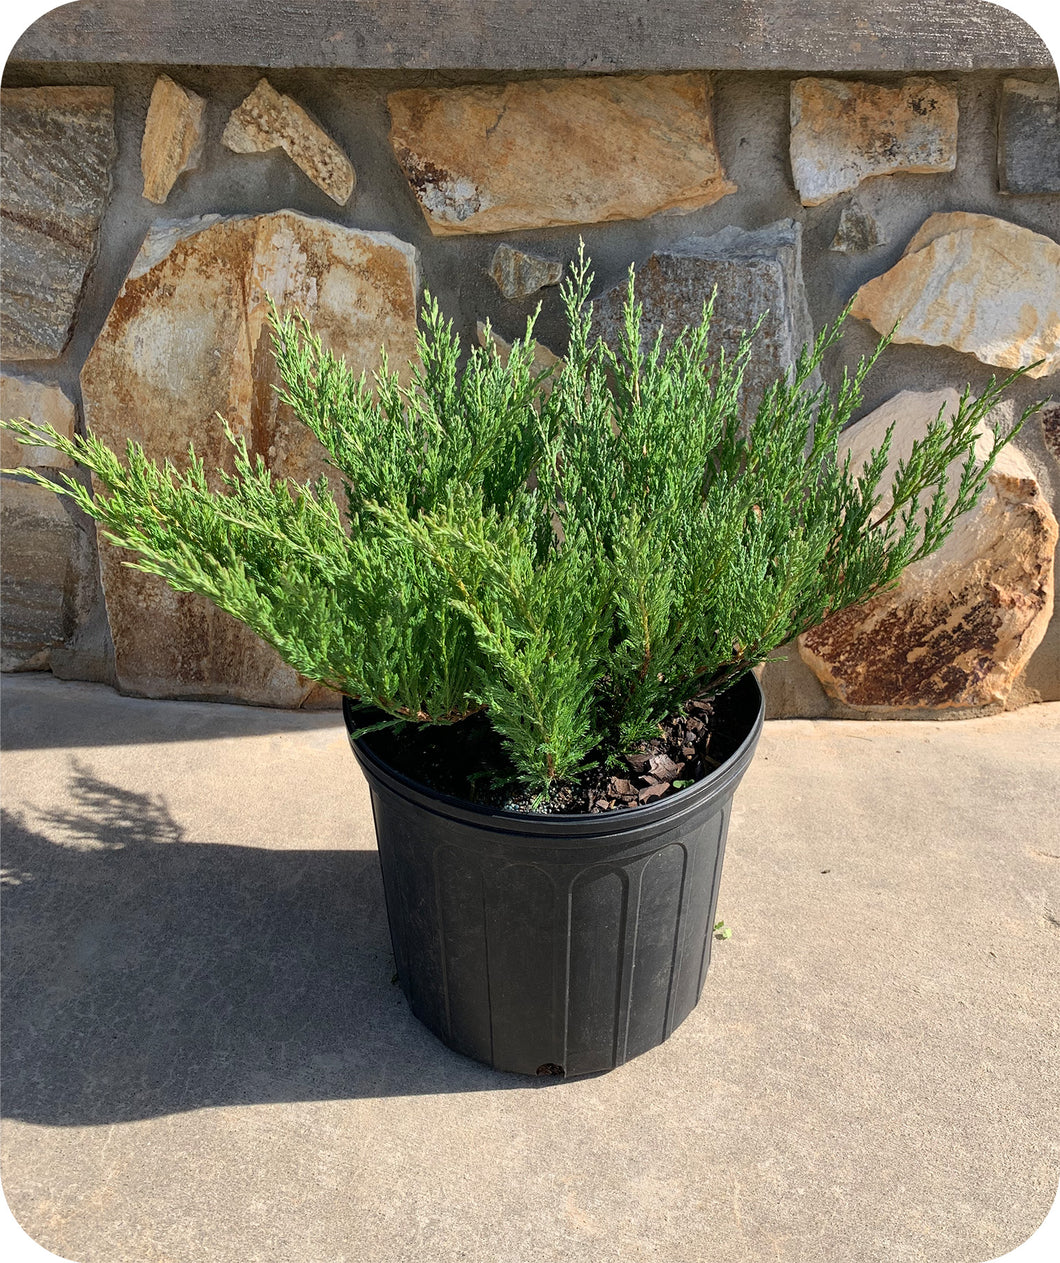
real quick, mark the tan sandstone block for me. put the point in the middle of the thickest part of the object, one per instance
(962, 624)
(173, 137)
(267, 120)
(187, 338)
(976, 283)
(500, 157)
(843, 132)
(22, 399)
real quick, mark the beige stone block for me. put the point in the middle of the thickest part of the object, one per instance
(267, 120)
(173, 137)
(22, 399)
(188, 338)
(546, 152)
(962, 624)
(975, 283)
(844, 131)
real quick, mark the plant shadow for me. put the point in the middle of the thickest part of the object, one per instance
(147, 973)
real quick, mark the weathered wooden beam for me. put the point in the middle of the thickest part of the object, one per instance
(592, 35)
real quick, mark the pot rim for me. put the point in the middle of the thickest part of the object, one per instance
(717, 785)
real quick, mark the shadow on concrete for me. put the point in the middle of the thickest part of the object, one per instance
(42, 712)
(148, 974)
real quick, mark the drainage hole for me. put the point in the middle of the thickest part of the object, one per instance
(550, 1068)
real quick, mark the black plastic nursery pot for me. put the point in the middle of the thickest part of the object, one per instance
(555, 944)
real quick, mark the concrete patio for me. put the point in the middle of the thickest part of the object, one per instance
(205, 1057)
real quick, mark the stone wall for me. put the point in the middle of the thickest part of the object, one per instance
(150, 211)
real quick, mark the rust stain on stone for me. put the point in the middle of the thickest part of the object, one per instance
(907, 655)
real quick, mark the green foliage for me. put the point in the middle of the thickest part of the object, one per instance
(578, 556)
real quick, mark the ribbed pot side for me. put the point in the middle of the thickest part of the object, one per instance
(549, 944)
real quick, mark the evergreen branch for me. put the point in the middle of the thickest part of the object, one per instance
(576, 553)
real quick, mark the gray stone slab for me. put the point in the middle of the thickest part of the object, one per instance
(1049, 418)
(518, 275)
(858, 232)
(57, 149)
(1028, 149)
(206, 1058)
(45, 575)
(757, 273)
(804, 35)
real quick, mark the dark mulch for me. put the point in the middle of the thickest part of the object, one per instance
(466, 760)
